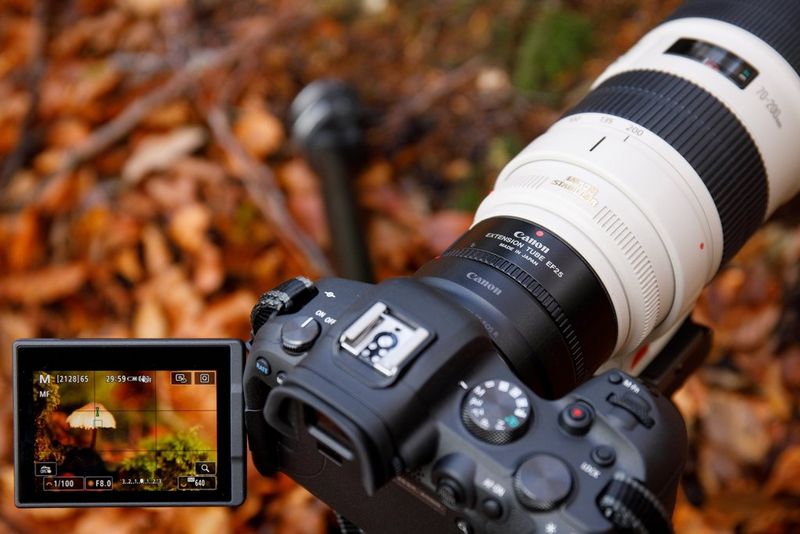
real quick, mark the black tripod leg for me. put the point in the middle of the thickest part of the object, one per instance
(326, 123)
(682, 355)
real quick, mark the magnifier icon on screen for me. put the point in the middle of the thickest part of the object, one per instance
(204, 468)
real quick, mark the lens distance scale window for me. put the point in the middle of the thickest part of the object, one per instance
(717, 58)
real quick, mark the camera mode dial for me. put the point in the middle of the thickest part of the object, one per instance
(496, 411)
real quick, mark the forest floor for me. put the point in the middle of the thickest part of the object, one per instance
(149, 188)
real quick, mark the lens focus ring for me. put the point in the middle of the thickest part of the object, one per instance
(705, 132)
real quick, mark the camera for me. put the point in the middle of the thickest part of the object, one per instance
(507, 386)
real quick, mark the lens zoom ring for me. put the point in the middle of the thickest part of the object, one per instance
(775, 22)
(705, 132)
(537, 291)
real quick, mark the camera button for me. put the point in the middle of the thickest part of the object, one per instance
(450, 491)
(263, 366)
(299, 333)
(634, 405)
(576, 418)
(492, 508)
(604, 456)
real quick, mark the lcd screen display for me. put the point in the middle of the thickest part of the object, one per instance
(144, 431)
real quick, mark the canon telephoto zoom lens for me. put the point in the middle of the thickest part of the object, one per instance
(600, 235)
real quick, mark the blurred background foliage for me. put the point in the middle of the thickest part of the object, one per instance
(149, 188)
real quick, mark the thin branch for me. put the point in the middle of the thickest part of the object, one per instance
(263, 189)
(425, 99)
(42, 13)
(178, 84)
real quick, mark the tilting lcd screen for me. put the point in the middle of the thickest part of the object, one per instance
(125, 430)
(131, 422)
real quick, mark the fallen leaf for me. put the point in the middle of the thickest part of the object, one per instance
(209, 272)
(737, 424)
(158, 152)
(444, 227)
(44, 285)
(785, 476)
(149, 320)
(25, 246)
(157, 256)
(260, 132)
(205, 520)
(189, 225)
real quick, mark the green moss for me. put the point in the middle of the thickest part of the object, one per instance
(176, 457)
(556, 43)
(46, 399)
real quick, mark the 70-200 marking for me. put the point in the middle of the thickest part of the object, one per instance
(772, 106)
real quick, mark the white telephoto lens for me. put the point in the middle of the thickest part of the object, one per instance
(685, 145)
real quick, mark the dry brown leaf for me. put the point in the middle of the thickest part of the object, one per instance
(444, 227)
(778, 399)
(209, 272)
(44, 285)
(747, 330)
(147, 8)
(50, 161)
(390, 244)
(149, 320)
(98, 33)
(157, 256)
(785, 476)
(205, 520)
(158, 152)
(737, 424)
(127, 264)
(309, 212)
(171, 115)
(25, 245)
(268, 264)
(68, 132)
(225, 317)
(13, 326)
(111, 521)
(188, 227)
(74, 87)
(66, 190)
(297, 178)
(260, 132)
(717, 470)
(376, 174)
(178, 296)
(304, 199)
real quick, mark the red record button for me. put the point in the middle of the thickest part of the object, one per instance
(576, 412)
(577, 418)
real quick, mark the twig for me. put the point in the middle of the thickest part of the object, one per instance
(179, 84)
(42, 13)
(262, 188)
(428, 96)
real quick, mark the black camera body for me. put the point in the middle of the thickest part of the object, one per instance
(395, 393)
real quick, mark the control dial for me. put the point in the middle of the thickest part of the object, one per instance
(630, 506)
(542, 482)
(496, 411)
